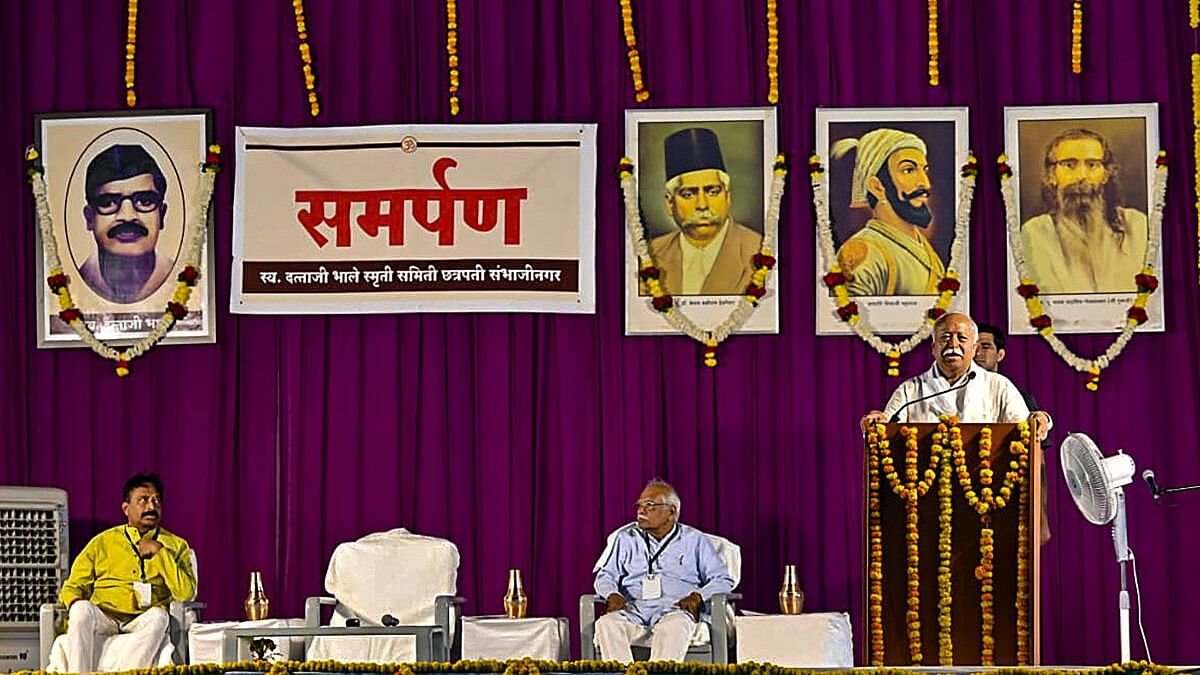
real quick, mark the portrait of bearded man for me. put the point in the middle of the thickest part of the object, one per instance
(1085, 241)
(892, 253)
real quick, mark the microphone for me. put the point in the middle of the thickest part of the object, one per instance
(1148, 476)
(896, 415)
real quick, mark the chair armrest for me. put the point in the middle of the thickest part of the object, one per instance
(312, 609)
(447, 613)
(721, 630)
(48, 618)
(183, 614)
(587, 625)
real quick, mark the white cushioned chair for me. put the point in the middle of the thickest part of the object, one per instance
(174, 648)
(712, 640)
(408, 576)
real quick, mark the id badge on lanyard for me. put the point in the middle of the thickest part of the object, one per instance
(652, 584)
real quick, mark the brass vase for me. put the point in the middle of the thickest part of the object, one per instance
(791, 598)
(516, 603)
(257, 605)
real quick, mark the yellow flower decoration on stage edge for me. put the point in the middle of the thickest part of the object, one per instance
(772, 52)
(1077, 36)
(934, 75)
(130, 53)
(635, 60)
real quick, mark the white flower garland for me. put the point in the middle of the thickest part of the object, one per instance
(676, 316)
(1158, 198)
(196, 231)
(828, 254)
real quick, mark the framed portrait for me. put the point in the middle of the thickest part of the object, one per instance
(703, 190)
(1083, 182)
(121, 188)
(891, 194)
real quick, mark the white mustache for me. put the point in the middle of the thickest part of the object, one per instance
(952, 351)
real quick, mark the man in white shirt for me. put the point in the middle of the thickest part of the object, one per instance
(957, 386)
(710, 253)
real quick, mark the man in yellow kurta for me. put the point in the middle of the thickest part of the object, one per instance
(890, 255)
(124, 579)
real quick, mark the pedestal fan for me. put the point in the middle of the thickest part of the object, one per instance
(1095, 483)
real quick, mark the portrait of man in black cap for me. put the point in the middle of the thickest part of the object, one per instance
(125, 209)
(709, 253)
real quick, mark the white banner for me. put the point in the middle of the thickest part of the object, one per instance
(422, 218)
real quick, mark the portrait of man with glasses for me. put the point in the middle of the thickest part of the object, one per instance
(125, 211)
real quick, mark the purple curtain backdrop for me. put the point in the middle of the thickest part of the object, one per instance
(524, 438)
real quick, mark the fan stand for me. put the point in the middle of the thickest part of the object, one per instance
(1120, 534)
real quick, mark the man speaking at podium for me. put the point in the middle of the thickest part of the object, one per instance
(956, 385)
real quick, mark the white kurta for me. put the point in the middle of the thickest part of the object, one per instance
(989, 398)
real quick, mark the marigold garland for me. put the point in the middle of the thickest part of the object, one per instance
(1196, 130)
(635, 60)
(933, 42)
(875, 547)
(945, 548)
(59, 282)
(1146, 282)
(1024, 644)
(649, 274)
(835, 279)
(916, 484)
(1077, 36)
(452, 52)
(478, 666)
(310, 79)
(130, 53)
(772, 52)
(1194, 13)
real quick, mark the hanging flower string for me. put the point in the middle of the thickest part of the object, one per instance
(310, 79)
(452, 52)
(635, 60)
(914, 486)
(1024, 643)
(772, 52)
(131, 53)
(59, 282)
(945, 544)
(848, 310)
(1077, 36)
(649, 274)
(1196, 133)
(934, 75)
(875, 441)
(1194, 14)
(986, 502)
(1146, 282)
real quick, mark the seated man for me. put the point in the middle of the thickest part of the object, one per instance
(956, 385)
(124, 579)
(656, 579)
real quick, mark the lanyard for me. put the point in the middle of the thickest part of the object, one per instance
(136, 552)
(650, 560)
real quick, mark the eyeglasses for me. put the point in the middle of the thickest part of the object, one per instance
(108, 203)
(638, 506)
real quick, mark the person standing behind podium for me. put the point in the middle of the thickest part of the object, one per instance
(956, 385)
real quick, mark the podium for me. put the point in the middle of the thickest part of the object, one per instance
(952, 523)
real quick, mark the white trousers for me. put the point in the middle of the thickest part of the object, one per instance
(89, 627)
(669, 637)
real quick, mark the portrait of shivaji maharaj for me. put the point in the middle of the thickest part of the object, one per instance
(891, 254)
(708, 253)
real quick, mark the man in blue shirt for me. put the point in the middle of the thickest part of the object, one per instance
(656, 578)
